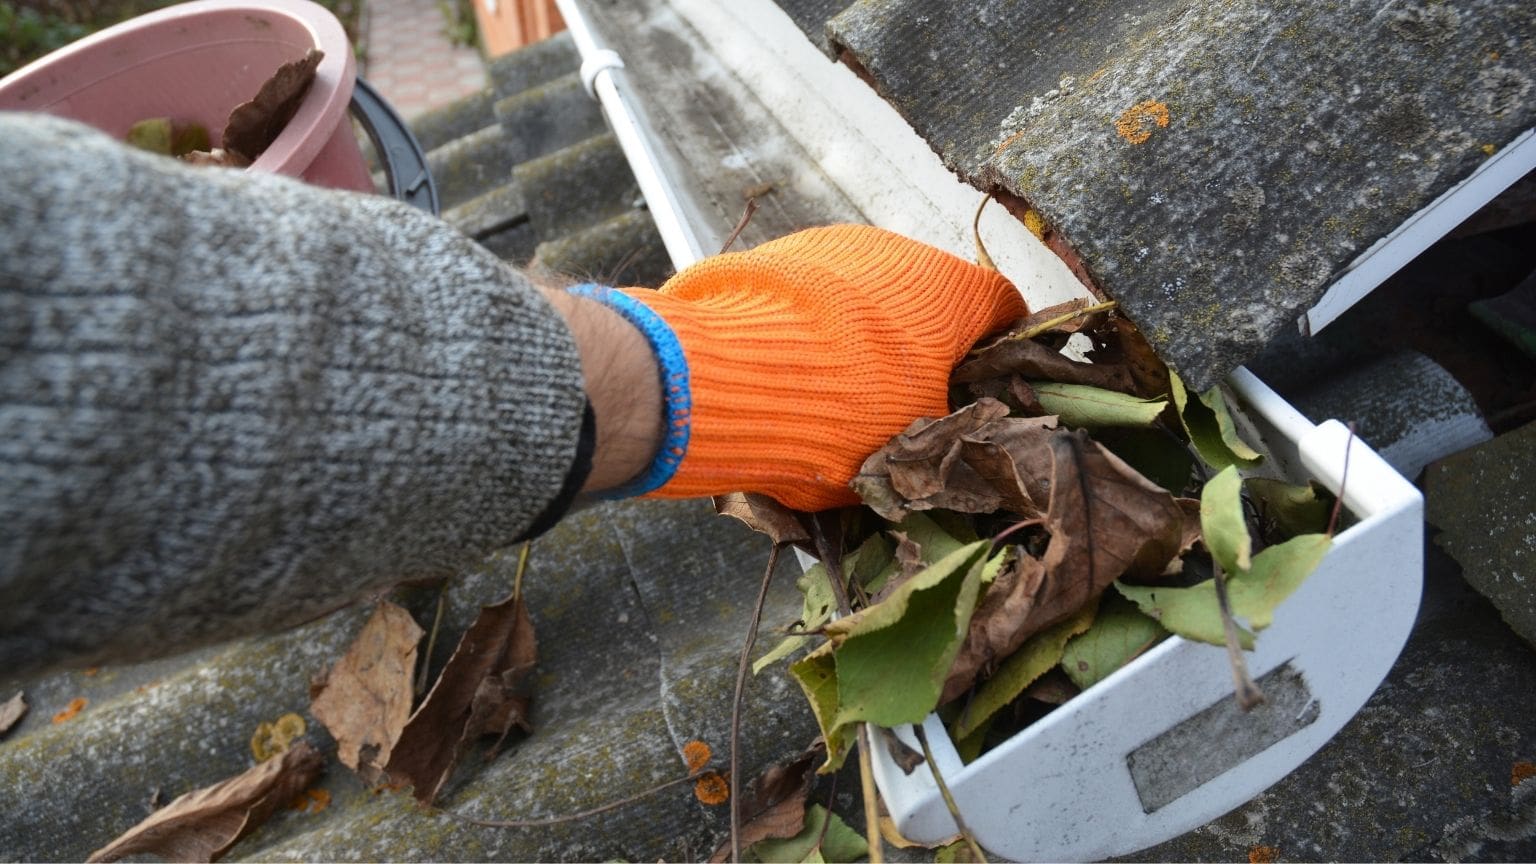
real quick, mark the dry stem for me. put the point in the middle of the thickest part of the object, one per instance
(741, 680)
(949, 799)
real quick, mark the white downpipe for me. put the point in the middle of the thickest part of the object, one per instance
(602, 75)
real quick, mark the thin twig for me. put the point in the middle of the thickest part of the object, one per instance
(741, 681)
(949, 799)
(573, 817)
(1015, 527)
(831, 800)
(982, 258)
(832, 562)
(871, 798)
(741, 225)
(1248, 693)
(1046, 326)
(522, 567)
(1338, 501)
(437, 623)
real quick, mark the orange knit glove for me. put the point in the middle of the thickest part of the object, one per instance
(810, 352)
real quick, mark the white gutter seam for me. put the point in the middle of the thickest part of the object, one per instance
(602, 76)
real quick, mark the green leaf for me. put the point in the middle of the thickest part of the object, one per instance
(1189, 612)
(816, 673)
(937, 541)
(1194, 613)
(788, 646)
(1291, 509)
(969, 747)
(1222, 525)
(1277, 572)
(152, 135)
(837, 843)
(866, 565)
(869, 560)
(1033, 659)
(1211, 428)
(891, 659)
(1081, 406)
(1119, 633)
(958, 852)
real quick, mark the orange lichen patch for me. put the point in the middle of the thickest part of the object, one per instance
(76, 705)
(1521, 772)
(1489, 149)
(1035, 223)
(91, 671)
(1135, 124)
(1098, 73)
(1263, 855)
(311, 801)
(712, 789)
(272, 739)
(1007, 142)
(696, 754)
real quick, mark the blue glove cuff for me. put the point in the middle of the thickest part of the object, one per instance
(674, 384)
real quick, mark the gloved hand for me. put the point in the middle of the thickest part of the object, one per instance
(807, 354)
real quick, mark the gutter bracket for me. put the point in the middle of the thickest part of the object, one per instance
(595, 64)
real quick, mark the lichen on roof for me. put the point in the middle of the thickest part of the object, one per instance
(1215, 165)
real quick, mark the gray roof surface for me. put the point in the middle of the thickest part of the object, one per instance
(528, 169)
(639, 609)
(1214, 165)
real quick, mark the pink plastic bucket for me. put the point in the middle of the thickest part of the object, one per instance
(195, 62)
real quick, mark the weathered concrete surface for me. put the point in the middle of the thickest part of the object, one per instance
(1483, 503)
(640, 610)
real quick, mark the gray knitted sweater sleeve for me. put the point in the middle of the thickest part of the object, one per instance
(231, 403)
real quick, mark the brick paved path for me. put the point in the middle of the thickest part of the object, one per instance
(411, 61)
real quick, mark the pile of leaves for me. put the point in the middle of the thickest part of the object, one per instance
(1066, 517)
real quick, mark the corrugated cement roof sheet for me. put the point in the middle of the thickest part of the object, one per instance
(1214, 166)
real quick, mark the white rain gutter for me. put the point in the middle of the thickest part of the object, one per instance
(602, 73)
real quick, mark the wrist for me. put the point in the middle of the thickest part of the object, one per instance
(623, 384)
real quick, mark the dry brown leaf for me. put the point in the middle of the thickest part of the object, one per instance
(1060, 310)
(773, 805)
(1106, 520)
(954, 463)
(905, 757)
(1017, 605)
(1052, 688)
(499, 647)
(1012, 391)
(1034, 360)
(12, 711)
(202, 825)
(254, 125)
(500, 705)
(1118, 343)
(764, 515)
(365, 699)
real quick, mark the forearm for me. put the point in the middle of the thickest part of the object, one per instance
(230, 404)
